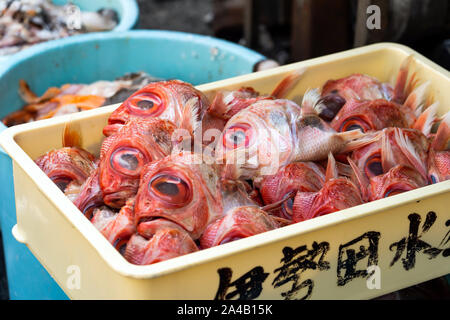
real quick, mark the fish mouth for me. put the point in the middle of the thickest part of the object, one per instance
(113, 126)
(147, 226)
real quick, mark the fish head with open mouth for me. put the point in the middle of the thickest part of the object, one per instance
(180, 188)
(172, 100)
(124, 154)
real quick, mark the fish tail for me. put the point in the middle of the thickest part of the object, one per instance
(442, 137)
(426, 119)
(72, 135)
(361, 180)
(332, 170)
(410, 152)
(356, 139)
(288, 83)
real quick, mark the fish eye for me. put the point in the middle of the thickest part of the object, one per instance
(128, 161)
(170, 189)
(62, 182)
(288, 206)
(146, 103)
(373, 166)
(393, 192)
(238, 135)
(353, 124)
(433, 179)
(120, 245)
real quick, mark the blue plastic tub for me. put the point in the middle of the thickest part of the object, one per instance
(127, 10)
(84, 59)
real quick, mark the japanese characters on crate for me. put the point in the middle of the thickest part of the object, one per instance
(178, 173)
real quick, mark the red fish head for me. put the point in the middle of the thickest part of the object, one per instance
(337, 194)
(173, 100)
(438, 166)
(163, 240)
(397, 180)
(124, 154)
(297, 176)
(182, 189)
(239, 223)
(67, 164)
(90, 196)
(117, 228)
(358, 87)
(369, 115)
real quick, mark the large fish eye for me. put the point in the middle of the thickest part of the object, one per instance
(373, 166)
(170, 189)
(238, 135)
(287, 207)
(61, 181)
(128, 161)
(433, 179)
(393, 192)
(353, 124)
(146, 103)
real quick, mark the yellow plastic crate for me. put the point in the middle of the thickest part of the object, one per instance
(357, 253)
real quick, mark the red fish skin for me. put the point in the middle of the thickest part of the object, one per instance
(227, 103)
(67, 164)
(274, 133)
(124, 154)
(117, 228)
(398, 179)
(369, 115)
(166, 243)
(164, 99)
(358, 87)
(296, 176)
(337, 194)
(438, 165)
(180, 188)
(369, 158)
(90, 196)
(238, 223)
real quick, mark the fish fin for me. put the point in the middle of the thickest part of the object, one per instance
(357, 139)
(72, 135)
(440, 142)
(401, 87)
(25, 92)
(310, 99)
(410, 152)
(218, 107)
(332, 170)
(361, 180)
(387, 155)
(190, 115)
(303, 204)
(426, 120)
(344, 170)
(288, 83)
(278, 204)
(417, 97)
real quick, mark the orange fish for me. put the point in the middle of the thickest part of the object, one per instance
(239, 223)
(272, 133)
(125, 153)
(173, 100)
(439, 155)
(297, 177)
(338, 193)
